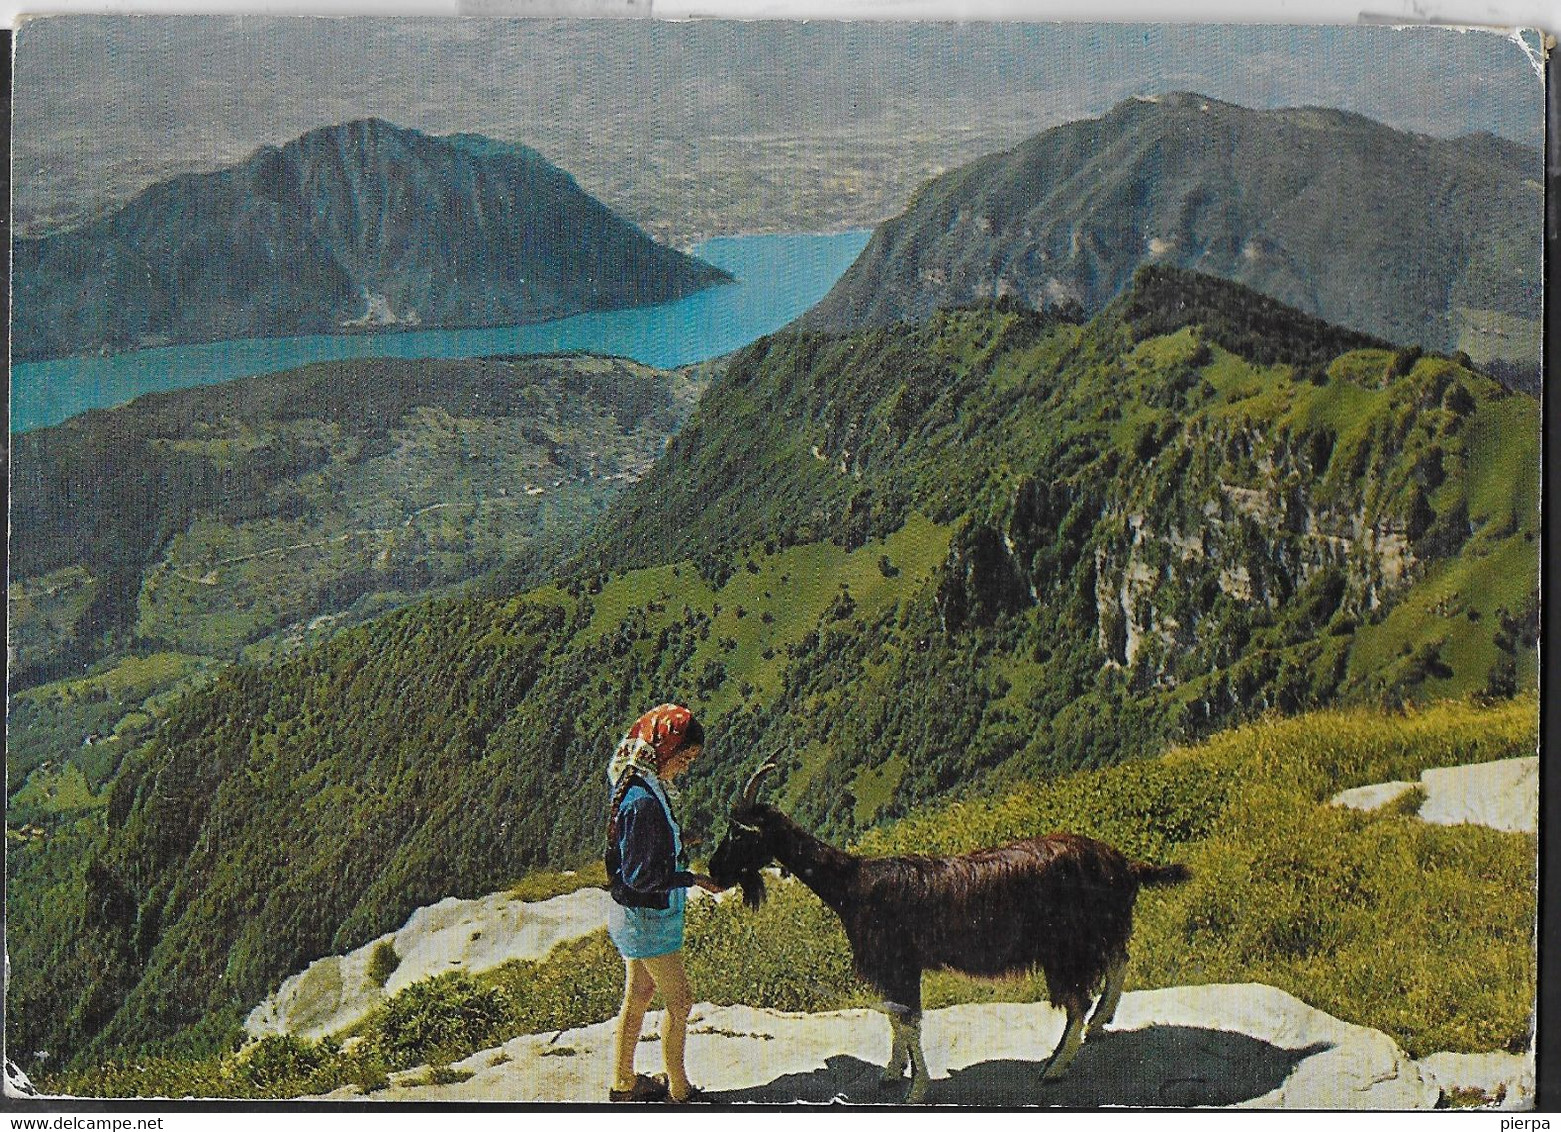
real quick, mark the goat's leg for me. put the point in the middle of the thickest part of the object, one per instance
(921, 1080)
(1068, 1047)
(900, 1053)
(1106, 1008)
(900, 984)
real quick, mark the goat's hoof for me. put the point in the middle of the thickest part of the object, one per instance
(917, 1094)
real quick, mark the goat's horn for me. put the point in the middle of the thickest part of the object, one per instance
(751, 791)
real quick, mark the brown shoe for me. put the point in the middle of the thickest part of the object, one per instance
(695, 1096)
(645, 1089)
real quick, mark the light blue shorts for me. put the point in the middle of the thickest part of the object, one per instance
(645, 933)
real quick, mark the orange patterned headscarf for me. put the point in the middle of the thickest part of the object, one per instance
(663, 727)
(654, 736)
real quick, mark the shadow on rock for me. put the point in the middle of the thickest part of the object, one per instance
(1162, 1066)
(843, 1078)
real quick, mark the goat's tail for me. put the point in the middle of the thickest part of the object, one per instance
(1159, 876)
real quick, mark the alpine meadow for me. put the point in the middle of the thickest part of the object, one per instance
(1166, 470)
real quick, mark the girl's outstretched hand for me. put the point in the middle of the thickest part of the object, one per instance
(707, 884)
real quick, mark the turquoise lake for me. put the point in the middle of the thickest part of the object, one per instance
(778, 277)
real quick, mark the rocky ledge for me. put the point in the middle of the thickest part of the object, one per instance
(1239, 1046)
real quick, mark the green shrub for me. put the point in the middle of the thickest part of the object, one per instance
(791, 954)
(445, 1075)
(545, 885)
(279, 1063)
(1407, 804)
(383, 962)
(449, 1015)
(368, 1072)
(144, 1077)
(580, 981)
(279, 1066)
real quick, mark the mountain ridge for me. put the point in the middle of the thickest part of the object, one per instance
(362, 225)
(1397, 235)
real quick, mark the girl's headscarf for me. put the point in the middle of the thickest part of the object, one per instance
(655, 735)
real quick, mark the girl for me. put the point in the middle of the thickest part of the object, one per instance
(648, 876)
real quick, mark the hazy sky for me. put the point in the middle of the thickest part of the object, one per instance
(104, 105)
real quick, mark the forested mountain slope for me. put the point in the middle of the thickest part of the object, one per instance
(919, 561)
(206, 519)
(156, 543)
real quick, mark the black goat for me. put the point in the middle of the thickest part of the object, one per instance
(1062, 904)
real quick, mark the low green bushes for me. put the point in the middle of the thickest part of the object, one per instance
(383, 962)
(441, 1018)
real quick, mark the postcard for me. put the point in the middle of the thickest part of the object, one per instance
(627, 562)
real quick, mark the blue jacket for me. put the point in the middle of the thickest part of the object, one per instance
(643, 862)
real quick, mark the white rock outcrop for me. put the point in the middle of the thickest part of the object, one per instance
(1242, 1045)
(452, 935)
(1503, 795)
(1372, 797)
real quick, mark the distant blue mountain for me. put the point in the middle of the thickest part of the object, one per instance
(356, 226)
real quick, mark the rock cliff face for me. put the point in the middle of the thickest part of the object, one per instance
(1260, 543)
(358, 226)
(1178, 548)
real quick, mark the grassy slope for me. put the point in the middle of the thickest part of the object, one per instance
(1424, 932)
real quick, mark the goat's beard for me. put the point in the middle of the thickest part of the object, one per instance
(752, 885)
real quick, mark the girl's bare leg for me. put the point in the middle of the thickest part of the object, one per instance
(672, 980)
(638, 987)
